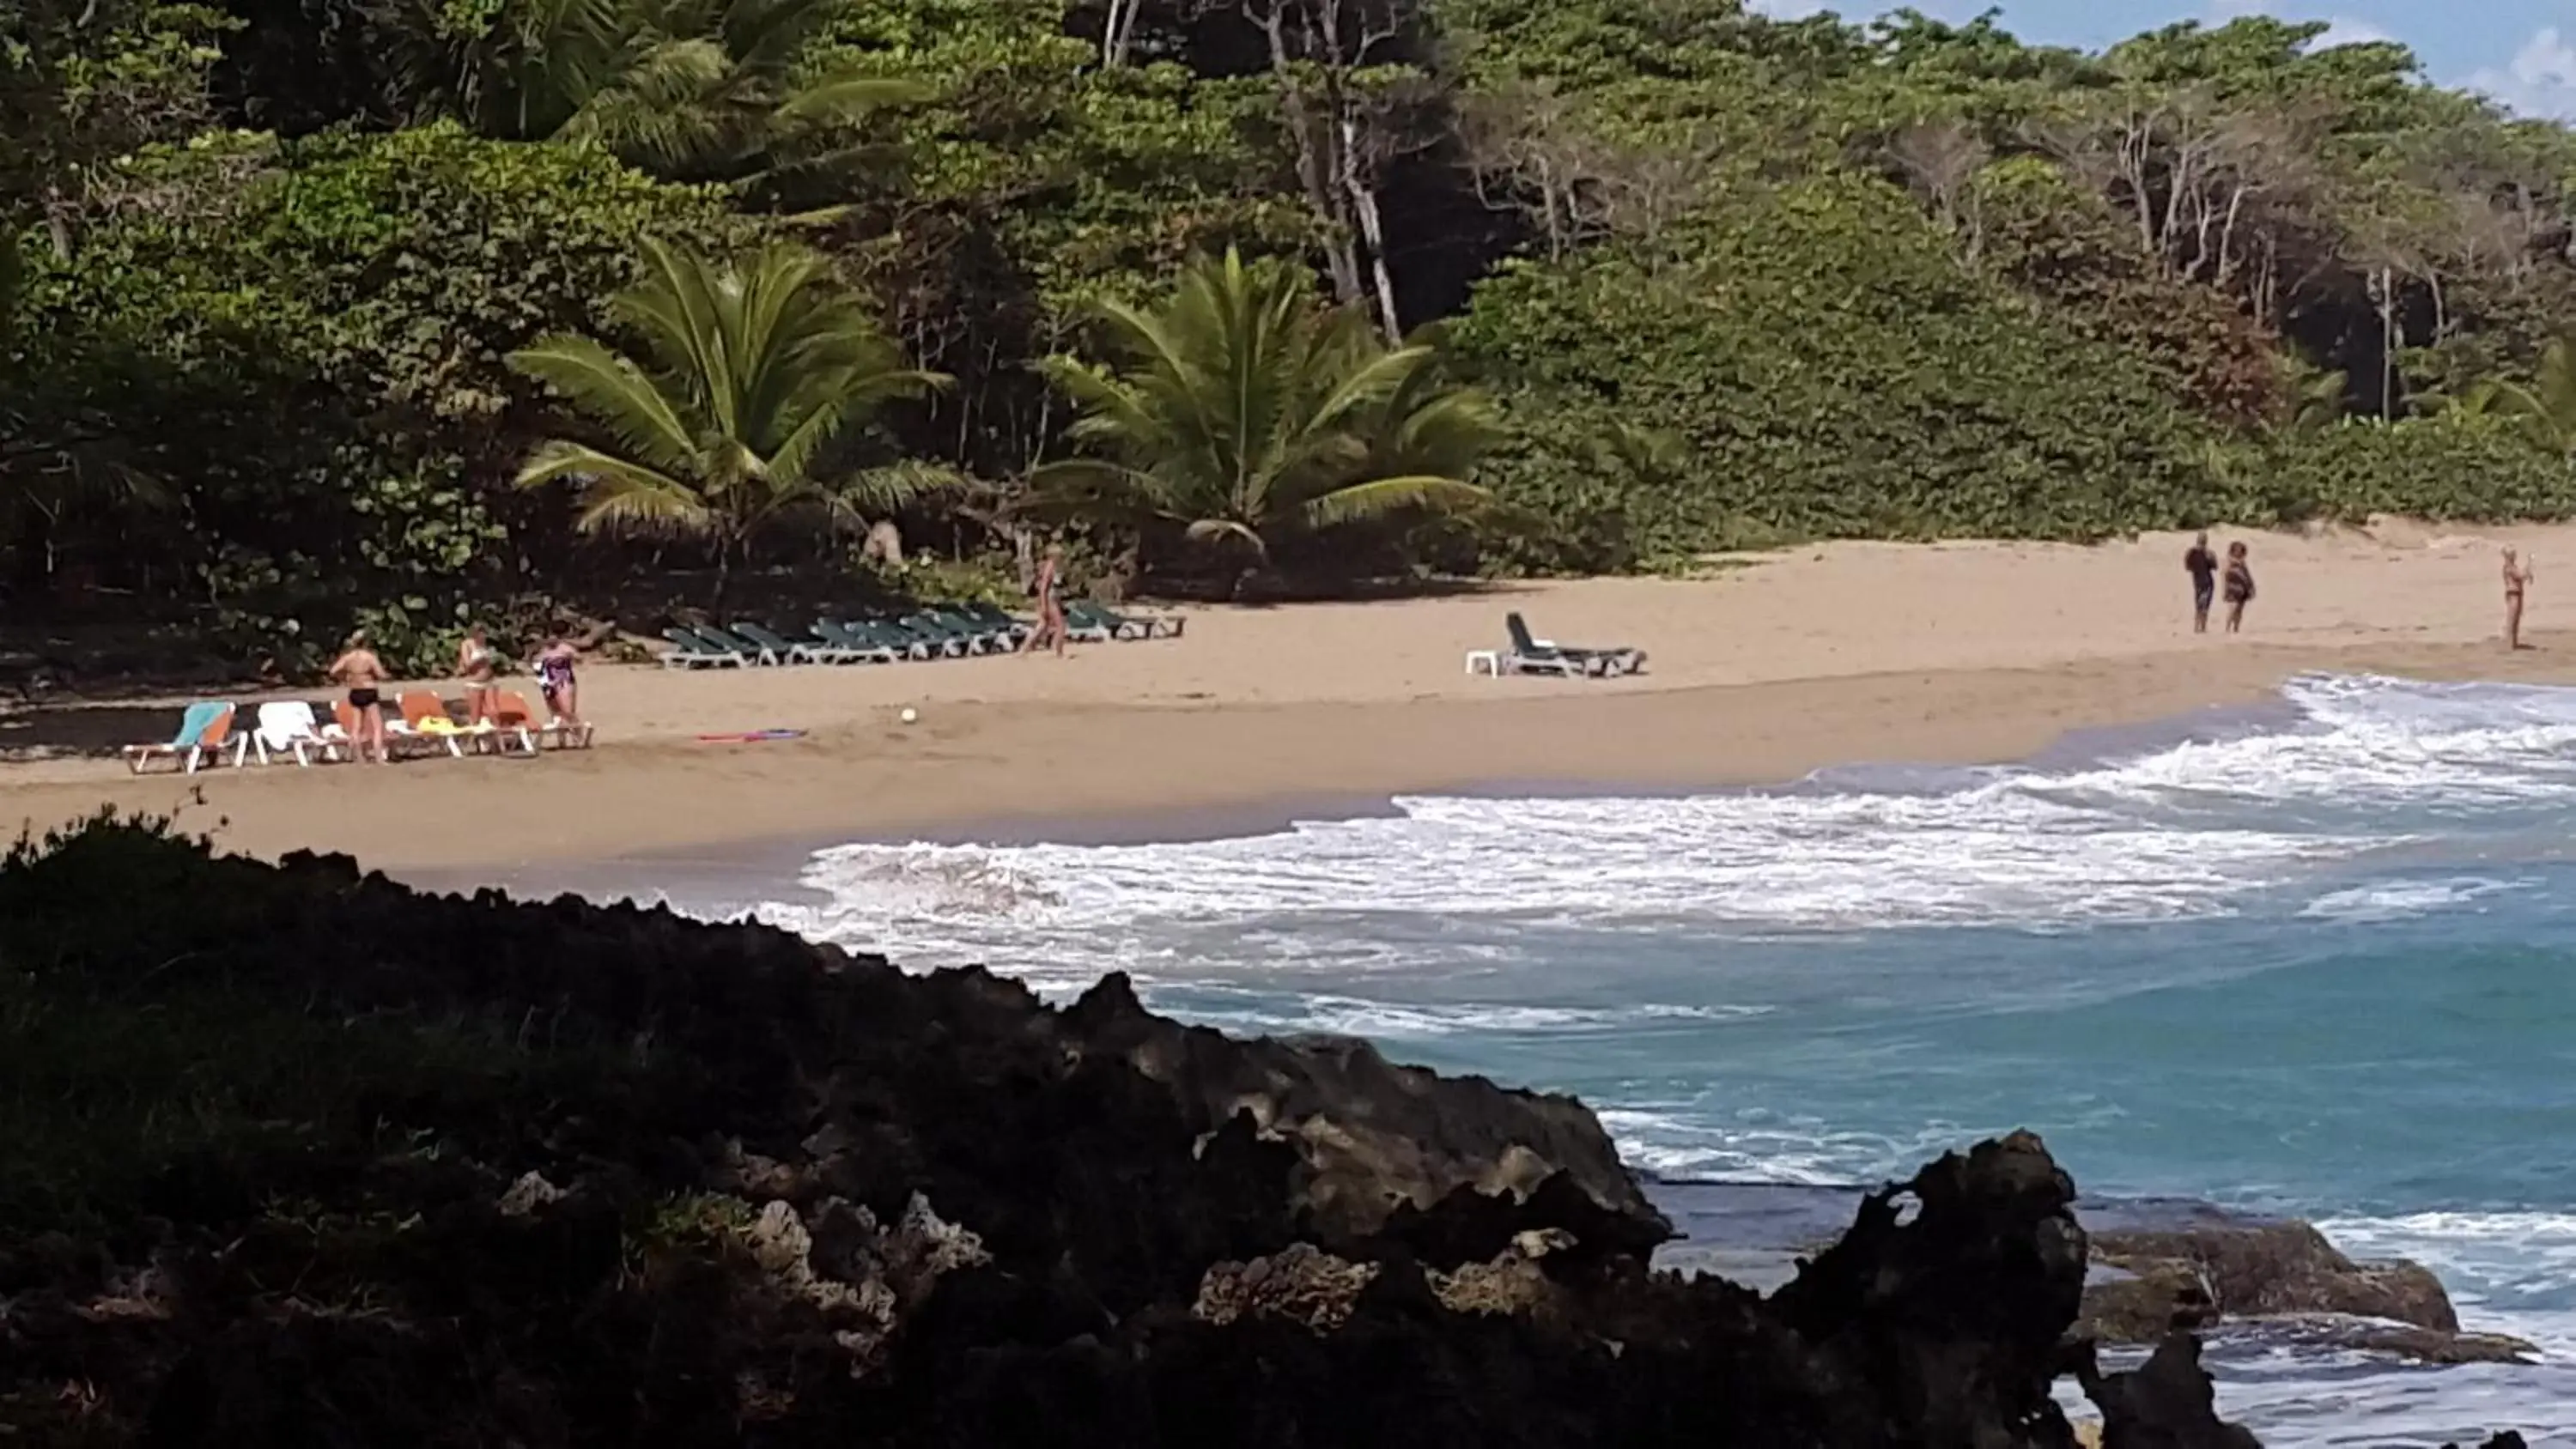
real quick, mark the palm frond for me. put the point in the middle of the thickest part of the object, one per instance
(1380, 497)
(618, 495)
(614, 391)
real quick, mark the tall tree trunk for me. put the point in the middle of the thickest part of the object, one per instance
(1363, 204)
(1313, 174)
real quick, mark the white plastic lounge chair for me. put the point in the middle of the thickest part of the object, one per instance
(205, 732)
(289, 727)
(1531, 655)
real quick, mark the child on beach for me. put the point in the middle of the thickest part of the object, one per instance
(2240, 586)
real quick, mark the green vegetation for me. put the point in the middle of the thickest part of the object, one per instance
(1602, 284)
(1245, 415)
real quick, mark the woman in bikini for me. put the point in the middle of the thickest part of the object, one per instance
(1050, 583)
(360, 672)
(2517, 578)
(556, 680)
(2240, 586)
(479, 667)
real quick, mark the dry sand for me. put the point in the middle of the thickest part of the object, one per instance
(1849, 652)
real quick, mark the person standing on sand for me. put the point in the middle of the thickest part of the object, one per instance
(556, 680)
(478, 666)
(360, 672)
(2240, 586)
(1048, 585)
(2517, 578)
(2202, 565)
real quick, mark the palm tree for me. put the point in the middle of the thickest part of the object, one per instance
(687, 89)
(1246, 413)
(726, 416)
(2545, 407)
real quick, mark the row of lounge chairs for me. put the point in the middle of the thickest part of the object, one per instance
(294, 729)
(946, 633)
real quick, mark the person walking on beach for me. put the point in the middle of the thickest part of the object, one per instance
(2517, 578)
(359, 671)
(556, 680)
(2240, 586)
(479, 667)
(2202, 565)
(1048, 587)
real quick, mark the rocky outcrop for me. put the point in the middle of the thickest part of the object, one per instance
(338, 1163)
(2277, 1282)
(2258, 1268)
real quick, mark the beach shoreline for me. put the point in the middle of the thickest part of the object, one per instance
(1858, 654)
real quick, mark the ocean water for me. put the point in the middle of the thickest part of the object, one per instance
(2316, 959)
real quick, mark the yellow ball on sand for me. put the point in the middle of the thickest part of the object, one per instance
(910, 714)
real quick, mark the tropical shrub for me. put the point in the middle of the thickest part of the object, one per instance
(1830, 370)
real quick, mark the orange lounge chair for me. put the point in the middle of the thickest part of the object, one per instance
(204, 733)
(427, 725)
(515, 716)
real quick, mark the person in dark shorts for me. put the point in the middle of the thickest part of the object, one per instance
(2202, 565)
(2240, 586)
(360, 672)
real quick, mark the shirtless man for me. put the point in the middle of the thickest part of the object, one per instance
(363, 675)
(2202, 565)
(1050, 582)
(2517, 578)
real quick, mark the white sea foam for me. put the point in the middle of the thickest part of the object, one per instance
(2192, 830)
(2399, 900)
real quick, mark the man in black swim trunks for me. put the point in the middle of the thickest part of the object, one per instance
(363, 673)
(2202, 565)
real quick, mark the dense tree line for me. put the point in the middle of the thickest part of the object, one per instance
(379, 310)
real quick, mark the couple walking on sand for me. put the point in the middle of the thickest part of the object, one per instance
(2203, 567)
(363, 674)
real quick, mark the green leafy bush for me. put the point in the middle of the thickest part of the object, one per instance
(1830, 369)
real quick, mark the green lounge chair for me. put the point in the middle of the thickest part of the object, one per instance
(778, 646)
(863, 648)
(1087, 620)
(719, 639)
(688, 651)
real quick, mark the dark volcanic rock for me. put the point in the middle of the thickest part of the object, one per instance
(2167, 1402)
(341, 1164)
(2263, 1268)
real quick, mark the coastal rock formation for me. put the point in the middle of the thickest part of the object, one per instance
(300, 1157)
(2260, 1268)
(2280, 1282)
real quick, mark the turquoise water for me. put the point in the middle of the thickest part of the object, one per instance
(2318, 960)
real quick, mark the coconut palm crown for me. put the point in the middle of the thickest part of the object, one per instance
(1245, 412)
(746, 376)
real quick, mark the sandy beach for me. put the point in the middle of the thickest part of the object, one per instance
(1778, 666)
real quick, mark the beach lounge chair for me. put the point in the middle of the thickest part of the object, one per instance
(1000, 621)
(1139, 626)
(858, 644)
(971, 637)
(1532, 655)
(779, 647)
(289, 727)
(723, 642)
(426, 725)
(938, 643)
(1086, 620)
(205, 731)
(515, 717)
(688, 651)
